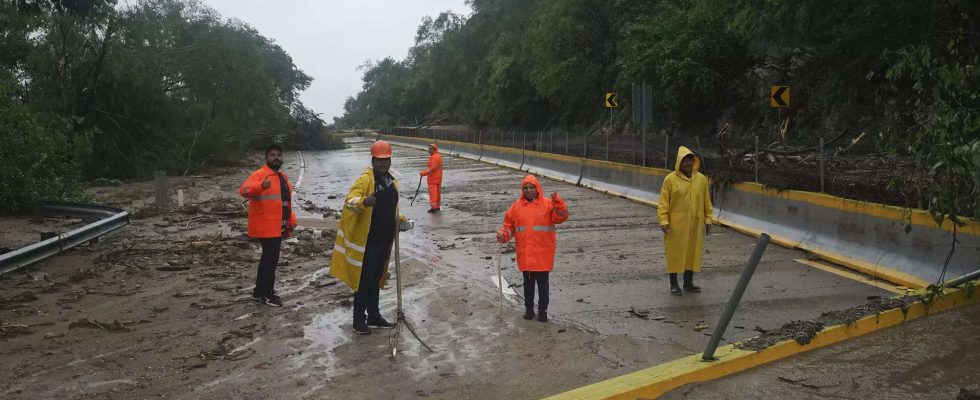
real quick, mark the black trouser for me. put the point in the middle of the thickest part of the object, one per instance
(265, 280)
(376, 257)
(541, 279)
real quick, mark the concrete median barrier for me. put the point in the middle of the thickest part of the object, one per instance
(563, 168)
(630, 181)
(866, 237)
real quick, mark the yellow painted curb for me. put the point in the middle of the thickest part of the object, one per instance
(846, 273)
(913, 216)
(658, 380)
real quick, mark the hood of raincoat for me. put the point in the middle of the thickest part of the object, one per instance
(683, 152)
(533, 180)
(434, 146)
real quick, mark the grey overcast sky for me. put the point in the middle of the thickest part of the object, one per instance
(329, 39)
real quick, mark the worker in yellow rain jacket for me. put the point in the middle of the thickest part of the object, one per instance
(368, 225)
(685, 216)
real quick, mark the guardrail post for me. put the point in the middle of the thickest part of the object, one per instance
(743, 282)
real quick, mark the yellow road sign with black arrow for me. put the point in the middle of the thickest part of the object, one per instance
(612, 100)
(779, 97)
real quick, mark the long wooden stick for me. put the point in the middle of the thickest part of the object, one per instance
(500, 277)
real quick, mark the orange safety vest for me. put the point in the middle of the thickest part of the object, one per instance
(532, 225)
(265, 205)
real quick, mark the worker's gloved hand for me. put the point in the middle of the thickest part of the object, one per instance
(422, 172)
(406, 225)
(502, 236)
(557, 201)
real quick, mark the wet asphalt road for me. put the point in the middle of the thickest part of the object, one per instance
(610, 259)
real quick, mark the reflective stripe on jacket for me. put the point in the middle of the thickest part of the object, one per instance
(532, 225)
(265, 205)
(352, 233)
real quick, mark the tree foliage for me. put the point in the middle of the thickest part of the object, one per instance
(904, 68)
(154, 84)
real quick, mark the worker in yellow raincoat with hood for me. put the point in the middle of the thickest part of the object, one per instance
(685, 216)
(368, 225)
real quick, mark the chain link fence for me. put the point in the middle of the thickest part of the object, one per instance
(840, 165)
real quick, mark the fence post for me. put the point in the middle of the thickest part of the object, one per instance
(822, 187)
(666, 150)
(918, 180)
(633, 146)
(160, 189)
(643, 140)
(566, 143)
(757, 158)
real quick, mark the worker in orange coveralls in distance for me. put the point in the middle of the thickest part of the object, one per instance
(433, 176)
(531, 222)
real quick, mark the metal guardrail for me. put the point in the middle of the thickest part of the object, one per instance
(110, 219)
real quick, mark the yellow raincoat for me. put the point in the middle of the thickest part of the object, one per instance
(685, 206)
(352, 233)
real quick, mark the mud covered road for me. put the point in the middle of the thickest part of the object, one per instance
(161, 308)
(929, 358)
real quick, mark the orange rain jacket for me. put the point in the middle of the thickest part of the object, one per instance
(532, 225)
(265, 205)
(434, 170)
(434, 179)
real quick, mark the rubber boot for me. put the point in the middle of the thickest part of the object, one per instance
(675, 289)
(529, 314)
(689, 282)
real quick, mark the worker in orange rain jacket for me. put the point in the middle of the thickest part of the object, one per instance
(531, 222)
(270, 219)
(685, 216)
(433, 176)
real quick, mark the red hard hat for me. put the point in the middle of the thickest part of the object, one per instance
(381, 149)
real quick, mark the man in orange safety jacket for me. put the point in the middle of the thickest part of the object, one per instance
(433, 176)
(270, 219)
(531, 222)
